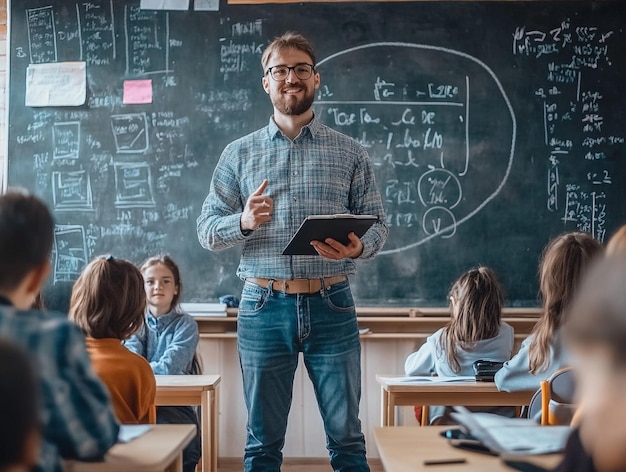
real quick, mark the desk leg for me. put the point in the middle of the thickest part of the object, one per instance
(205, 428)
(177, 465)
(384, 406)
(391, 409)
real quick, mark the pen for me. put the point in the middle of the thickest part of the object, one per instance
(445, 461)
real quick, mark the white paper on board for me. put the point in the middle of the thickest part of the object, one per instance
(206, 5)
(164, 5)
(56, 84)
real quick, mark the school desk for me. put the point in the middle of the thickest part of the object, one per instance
(395, 393)
(405, 448)
(192, 390)
(158, 450)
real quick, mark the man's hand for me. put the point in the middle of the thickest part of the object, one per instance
(333, 249)
(258, 209)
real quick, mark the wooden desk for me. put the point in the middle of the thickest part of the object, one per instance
(404, 449)
(461, 393)
(158, 450)
(191, 390)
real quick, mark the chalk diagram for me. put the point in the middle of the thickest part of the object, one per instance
(70, 252)
(438, 127)
(133, 185)
(71, 190)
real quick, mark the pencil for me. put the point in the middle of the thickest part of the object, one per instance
(445, 461)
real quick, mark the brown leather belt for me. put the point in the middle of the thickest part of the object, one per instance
(298, 285)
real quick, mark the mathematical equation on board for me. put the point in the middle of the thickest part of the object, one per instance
(435, 165)
(576, 123)
(89, 162)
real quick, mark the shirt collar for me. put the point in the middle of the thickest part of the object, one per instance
(311, 128)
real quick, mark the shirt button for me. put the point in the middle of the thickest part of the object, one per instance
(295, 199)
(295, 172)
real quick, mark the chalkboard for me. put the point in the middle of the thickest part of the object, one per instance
(492, 127)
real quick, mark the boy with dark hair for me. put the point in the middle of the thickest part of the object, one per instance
(77, 418)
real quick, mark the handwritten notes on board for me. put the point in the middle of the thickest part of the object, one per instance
(56, 84)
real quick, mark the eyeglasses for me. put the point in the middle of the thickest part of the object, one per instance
(280, 73)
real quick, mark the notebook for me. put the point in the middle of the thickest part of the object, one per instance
(321, 227)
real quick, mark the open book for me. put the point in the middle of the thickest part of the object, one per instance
(321, 227)
(503, 435)
(427, 379)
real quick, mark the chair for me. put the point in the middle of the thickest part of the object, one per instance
(553, 403)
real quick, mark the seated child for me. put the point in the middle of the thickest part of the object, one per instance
(168, 341)
(474, 332)
(595, 333)
(75, 409)
(108, 304)
(563, 264)
(19, 434)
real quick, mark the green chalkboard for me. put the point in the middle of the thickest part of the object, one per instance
(492, 127)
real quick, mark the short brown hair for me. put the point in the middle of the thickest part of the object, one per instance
(289, 40)
(26, 235)
(108, 300)
(168, 262)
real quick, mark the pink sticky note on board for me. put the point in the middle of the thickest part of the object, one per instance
(137, 91)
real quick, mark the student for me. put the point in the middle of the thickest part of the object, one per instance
(595, 334)
(565, 259)
(617, 243)
(168, 341)
(474, 332)
(108, 304)
(76, 414)
(20, 432)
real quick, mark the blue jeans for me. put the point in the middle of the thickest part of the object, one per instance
(273, 328)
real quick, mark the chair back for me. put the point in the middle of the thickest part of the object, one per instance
(533, 411)
(557, 394)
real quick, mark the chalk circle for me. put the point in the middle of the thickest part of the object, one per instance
(343, 75)
(439, 187)
(439, 221)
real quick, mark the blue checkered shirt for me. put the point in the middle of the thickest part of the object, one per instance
(320, 172)
(76, 414)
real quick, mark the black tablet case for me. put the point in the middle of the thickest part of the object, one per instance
(321, 227)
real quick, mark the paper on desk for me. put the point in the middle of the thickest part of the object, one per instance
(128, 432)
(428, 379)
(512, 435)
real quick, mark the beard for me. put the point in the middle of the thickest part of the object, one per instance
(288, 106)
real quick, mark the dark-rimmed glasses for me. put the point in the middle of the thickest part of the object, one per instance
(280, 73)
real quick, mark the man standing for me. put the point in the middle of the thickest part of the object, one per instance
(264, 185)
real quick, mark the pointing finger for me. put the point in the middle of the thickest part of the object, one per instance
(261, 189)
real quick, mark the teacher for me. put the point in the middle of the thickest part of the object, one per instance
(264, 185)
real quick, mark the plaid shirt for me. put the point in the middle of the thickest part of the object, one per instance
(320, 172)
(76, 414)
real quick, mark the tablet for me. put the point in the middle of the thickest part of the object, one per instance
(321, 227)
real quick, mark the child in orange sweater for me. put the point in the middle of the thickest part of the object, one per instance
(108, 304)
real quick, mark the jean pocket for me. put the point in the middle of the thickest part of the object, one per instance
(253, 299)
(339, 298)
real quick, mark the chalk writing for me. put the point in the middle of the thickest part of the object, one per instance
(417, 133)
(133, 185)
(70, 252)
(41, 35)
(71, 191)
(571, 108)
